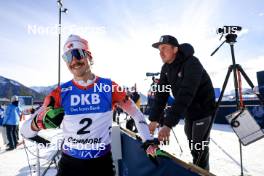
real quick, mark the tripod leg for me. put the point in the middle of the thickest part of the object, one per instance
(245, 76)
(224, 86)
(241, 158)
(235, 72)
(230, 68)
(249, 82)
(237, 87)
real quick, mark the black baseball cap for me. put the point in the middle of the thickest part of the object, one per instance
(166, 39)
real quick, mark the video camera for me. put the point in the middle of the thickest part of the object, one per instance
(152, 74)
(228, 29)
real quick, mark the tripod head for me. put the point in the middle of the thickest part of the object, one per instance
(230, 38)
(228, 30)
(230, 35)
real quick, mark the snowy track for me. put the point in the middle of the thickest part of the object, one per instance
(224, 154)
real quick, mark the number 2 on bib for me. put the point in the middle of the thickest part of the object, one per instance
(83, 130)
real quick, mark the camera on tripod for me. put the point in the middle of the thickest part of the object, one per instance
(228, 29)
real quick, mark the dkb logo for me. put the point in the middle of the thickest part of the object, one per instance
(85, 99)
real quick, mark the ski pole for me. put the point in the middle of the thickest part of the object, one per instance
(177, 141)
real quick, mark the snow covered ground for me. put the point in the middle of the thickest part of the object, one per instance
(224, 154)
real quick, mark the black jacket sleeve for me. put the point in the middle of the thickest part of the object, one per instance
(161, 97)
(192, 74)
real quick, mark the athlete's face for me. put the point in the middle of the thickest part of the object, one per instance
(167, 53)
(80, 68)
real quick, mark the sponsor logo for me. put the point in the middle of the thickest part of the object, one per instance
(85, 99)
(65, 89)
(199, 123)
(85, 141)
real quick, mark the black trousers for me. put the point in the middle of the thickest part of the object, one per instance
(17, 133)
(195, 132)
(103, 166)
(11, 135)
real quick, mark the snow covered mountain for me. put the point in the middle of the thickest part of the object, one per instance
(43, 90)
(9, 87)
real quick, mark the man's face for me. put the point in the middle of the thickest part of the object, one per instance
(167, 53)
(79, 68)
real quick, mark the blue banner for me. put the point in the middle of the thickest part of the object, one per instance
(136, 163)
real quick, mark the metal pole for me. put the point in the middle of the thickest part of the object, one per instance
(38, 162)
(235, 70)
(177, 141)
(241, 157)
(59, 30)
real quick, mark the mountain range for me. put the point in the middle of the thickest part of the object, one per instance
(43, 90)
(9, 87)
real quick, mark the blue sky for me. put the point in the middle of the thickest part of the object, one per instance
(121, 32)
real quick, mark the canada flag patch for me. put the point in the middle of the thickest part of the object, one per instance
(70, 45)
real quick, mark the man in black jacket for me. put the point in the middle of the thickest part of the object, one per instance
(194, 96)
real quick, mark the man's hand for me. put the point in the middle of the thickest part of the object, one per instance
(164, 133)
(152, 127)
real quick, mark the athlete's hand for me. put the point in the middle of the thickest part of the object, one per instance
(152, 127)
(48, 117)
(153, 151)
(150, 147)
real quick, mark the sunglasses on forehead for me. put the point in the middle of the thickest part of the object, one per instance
(77, 53)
